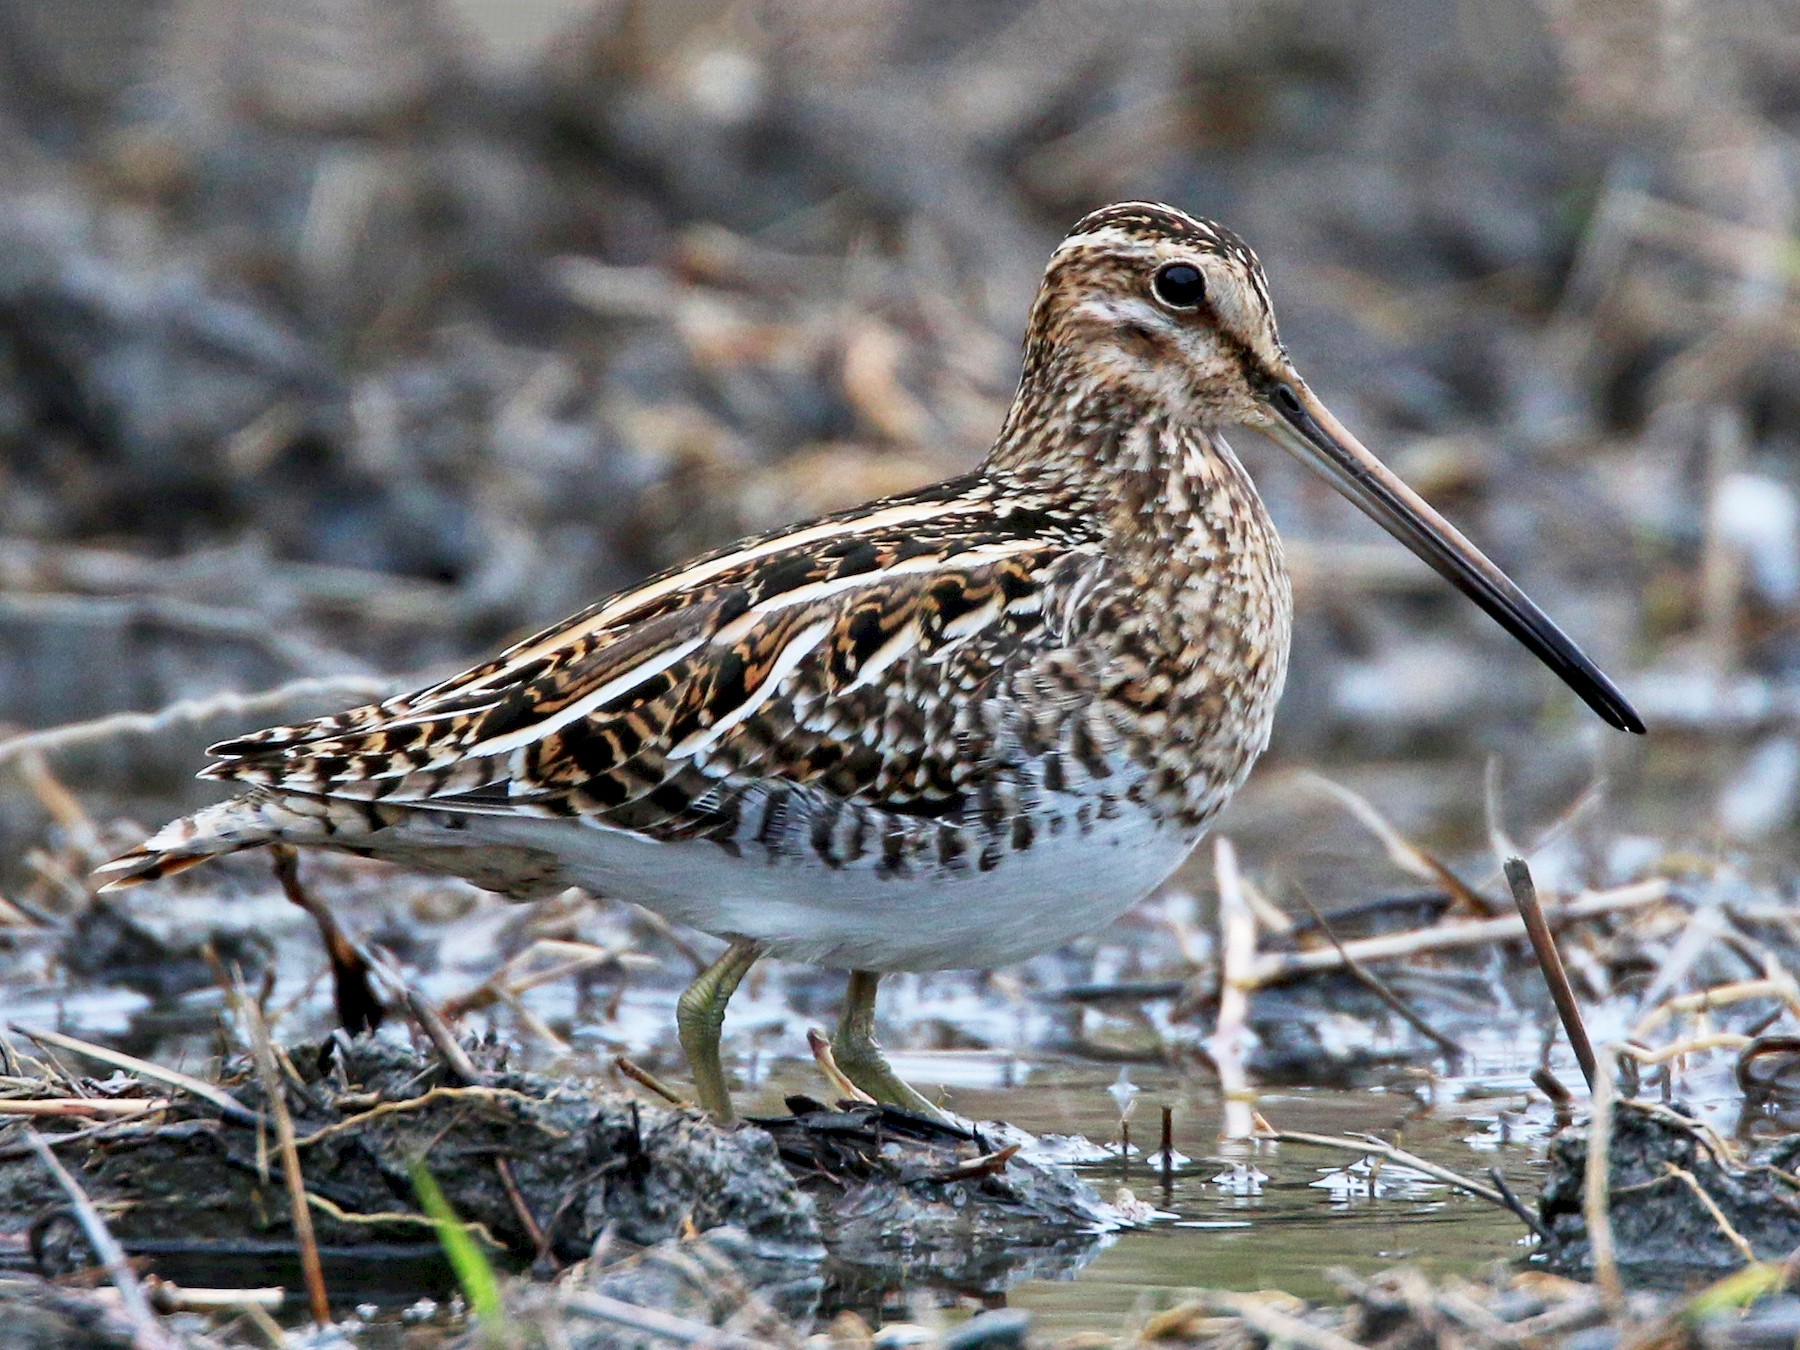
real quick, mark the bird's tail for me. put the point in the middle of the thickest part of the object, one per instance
(225, 827)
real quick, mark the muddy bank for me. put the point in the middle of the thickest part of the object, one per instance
(1682, 1200)
(1402, 1308)
(700, 1281)
(36, 1315)
(843, 1205)
(978, 1209)
(534, 1165)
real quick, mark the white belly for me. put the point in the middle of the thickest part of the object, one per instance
(855, 917)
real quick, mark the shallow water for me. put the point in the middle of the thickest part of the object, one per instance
(1311, 1210)
(1311, 1214)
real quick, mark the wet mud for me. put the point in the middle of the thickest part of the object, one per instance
(1682, 1201)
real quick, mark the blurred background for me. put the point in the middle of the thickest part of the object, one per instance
(344, 340)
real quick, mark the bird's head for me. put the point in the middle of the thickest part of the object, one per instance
(1159, 307)
(1146, 308)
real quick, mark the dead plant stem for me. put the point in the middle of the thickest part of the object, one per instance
(1452, 1049)
(1274, 967)
(232, 1108)
(147, 1332)
(1735, 1238)
(662, 1325)
(268, 1073)
(1596, 1200)
(1237, 957)
(1543, 944)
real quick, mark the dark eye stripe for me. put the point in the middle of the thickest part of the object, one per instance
(1179, 285)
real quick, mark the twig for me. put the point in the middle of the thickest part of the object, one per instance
(169, 1298)
(148, 1332)
(1699, 935)
(506, 983)
(1277, 1327)
(1692, 1182)
(18, 914)
(540, 1241)
(1128, 992)
(530, 1023)
(86, 1108)
(1560, 1097)
(828, 1065)
(456, 1059)
(328, 688)
(1501, 843)
(230, 1106)
(987, 1165)
(665, 1326)
(1366, 1144)
(1273, 967)
(1237, 955)
(647, 1079)
(1543, 943)
(63, 806)
(129, 1128)
(1452, 1049)
(1716, 1040)
(268, 1072)
(1596, 1201)
(358, 1009)
(672, 935)
(1270, 917)
(397, 1218)
(1516, 1205)
(1704, 1000)
(1401, 851)
(1717, 1145)
(424, 1099)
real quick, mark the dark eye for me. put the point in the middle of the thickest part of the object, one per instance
(1179, 285)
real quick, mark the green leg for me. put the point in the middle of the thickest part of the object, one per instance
(861, 1059)
(700, 1016)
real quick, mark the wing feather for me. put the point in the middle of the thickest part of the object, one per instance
(845, 663)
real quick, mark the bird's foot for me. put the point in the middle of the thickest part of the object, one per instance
(860, 1060)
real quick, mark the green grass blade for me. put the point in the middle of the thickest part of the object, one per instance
(474, 1272)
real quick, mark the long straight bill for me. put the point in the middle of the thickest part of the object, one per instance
(1303, 425)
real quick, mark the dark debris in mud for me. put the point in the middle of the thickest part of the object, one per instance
(1404, 1310)
(897, 1190)
(37, 1315)
(547, 1172)
(1681, 1199)
(536, 1165)
(701, 1281)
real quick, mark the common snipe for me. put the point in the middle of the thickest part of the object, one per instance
(951, 728)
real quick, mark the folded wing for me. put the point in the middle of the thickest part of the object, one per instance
(837, 660)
